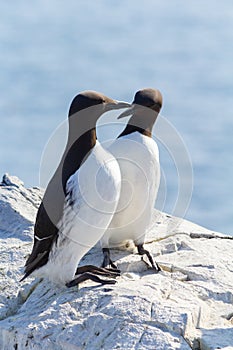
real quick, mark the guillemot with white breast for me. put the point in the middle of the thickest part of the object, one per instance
(79, 201)
(138, 157)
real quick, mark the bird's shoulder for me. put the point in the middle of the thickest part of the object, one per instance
(134, 145)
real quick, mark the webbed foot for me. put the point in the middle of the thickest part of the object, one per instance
(142, 251)
(107, 261)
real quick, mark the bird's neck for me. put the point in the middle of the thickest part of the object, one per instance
(81, 141)
(139, 124)
(77, 150)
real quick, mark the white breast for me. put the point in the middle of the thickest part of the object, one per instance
(93, 194)
(138, 158)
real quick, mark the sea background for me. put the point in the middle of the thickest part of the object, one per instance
(49, 51)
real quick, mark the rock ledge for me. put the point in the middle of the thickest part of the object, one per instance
(189, 305)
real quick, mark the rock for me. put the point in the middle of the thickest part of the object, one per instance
(189, 305)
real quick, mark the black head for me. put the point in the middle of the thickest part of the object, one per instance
(88, 99)
(150, 98)
(144, 111)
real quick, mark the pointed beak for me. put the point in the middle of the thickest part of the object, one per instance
(114, 104)
(128, 112)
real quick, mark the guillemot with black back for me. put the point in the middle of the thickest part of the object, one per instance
(79, 200)
(138, 157)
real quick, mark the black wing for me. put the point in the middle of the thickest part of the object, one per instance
(45, 229)
(51, 208)
(45, 233)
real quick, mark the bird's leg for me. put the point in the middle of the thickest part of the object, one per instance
(142, 250)
(98, 270)
(88, 276)
(107, 261)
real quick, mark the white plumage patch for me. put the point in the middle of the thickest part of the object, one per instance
(138, 157)
(92, 196)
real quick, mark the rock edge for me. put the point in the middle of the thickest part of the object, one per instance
(189, 305)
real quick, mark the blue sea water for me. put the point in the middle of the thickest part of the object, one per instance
(49, 51)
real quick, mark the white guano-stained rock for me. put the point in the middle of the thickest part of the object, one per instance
(189, 305)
